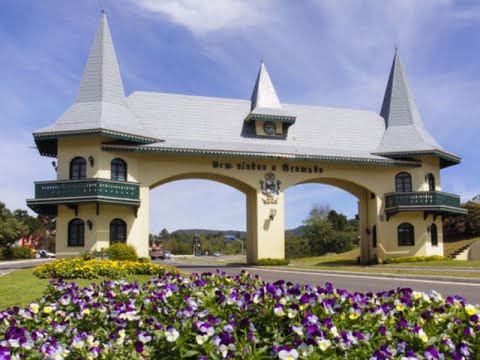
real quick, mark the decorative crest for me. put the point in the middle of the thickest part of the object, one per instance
(270, 187)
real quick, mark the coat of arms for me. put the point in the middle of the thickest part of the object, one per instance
(270, 188)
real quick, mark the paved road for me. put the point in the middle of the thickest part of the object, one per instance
(360, 282)
(6, 266)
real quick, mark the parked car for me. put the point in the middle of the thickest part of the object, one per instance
(168, 255)
(157, 252)
(42, 254)
(217, 254)
(200, 253)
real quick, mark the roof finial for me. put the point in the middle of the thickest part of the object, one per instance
(102, 10)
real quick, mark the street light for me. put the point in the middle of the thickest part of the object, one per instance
(196, 244)
(241, 242)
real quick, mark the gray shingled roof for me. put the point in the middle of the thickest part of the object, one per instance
(205, 124)
(195, 122)
(100, 102)
(404, 126)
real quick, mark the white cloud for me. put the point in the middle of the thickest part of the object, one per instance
(202, 17)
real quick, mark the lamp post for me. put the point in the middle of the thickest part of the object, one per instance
(196, 244)
(241, 242)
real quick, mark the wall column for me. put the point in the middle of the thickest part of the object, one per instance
(364, 228)
(138, 236)
(265, 236)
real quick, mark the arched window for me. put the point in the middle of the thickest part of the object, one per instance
(119, 170)
(374, 236)
(76, 232)
(118, 231)
(431, 182)
(403, 182)
(406, 236)
(434, 234)
(78, 168)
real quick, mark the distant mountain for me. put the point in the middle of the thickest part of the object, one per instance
(191, 232)
(298, 231)
(208, 232)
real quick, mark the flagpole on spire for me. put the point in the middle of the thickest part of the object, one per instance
(102, 10)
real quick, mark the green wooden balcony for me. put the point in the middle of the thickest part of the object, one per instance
(430, 202)
(49, 194)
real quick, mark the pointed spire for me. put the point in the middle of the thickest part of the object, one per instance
(100, 106)
(399, 106)
(404, 126)
(101, 79)
(264, 94)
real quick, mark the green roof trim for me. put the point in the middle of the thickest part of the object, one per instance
(285, 157)
(446, 159)
(47, 142)
(289, 120)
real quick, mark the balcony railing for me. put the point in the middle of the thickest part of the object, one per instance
(421, 198)
(49, 194)
(87, 188)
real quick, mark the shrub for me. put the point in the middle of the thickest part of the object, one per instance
(3, 253)
(144, 260)
(405, 259)
(79, 268)
(272, 262)
(122, 252)
(20, 252)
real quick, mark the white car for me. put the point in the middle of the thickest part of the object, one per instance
(42, 254)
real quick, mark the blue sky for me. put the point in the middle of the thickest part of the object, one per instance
(333, 53)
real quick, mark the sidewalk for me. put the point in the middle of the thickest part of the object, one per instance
(438, 278)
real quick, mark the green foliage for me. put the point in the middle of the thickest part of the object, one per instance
(272, 262)
(11, 230)
(79, 268)
(3, 253)
(121, 251)
(341, 241)
(296, 246)
(20, 252)
(144, 260)
(405, 259)
(464, 226)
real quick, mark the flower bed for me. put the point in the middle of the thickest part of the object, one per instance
(79, 268)
(217, 316)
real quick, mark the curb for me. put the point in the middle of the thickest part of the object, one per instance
(376, 275)
(17, 262)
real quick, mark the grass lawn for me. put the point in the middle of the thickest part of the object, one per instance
(333, 260)
(444, 263)
(450, 247)
(20, 287)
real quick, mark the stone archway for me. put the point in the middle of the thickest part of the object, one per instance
(367, 211)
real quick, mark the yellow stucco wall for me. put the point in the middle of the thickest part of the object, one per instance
(265, 237)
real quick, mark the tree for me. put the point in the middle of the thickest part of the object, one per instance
(164, 234)
(464, 226)
(320, 210)
(339, 221)
(11, 230)
(318, 231)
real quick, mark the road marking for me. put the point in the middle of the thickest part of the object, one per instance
(372, 277)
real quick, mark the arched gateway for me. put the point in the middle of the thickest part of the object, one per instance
(111, 150)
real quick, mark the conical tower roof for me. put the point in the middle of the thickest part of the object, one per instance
(264, 99)
(101, 79)
(264, 94)
(100, 106)
(405, 132)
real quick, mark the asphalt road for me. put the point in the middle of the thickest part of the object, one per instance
(352, 283)
(6, 266)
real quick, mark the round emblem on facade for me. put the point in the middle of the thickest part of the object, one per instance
(270, 128)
